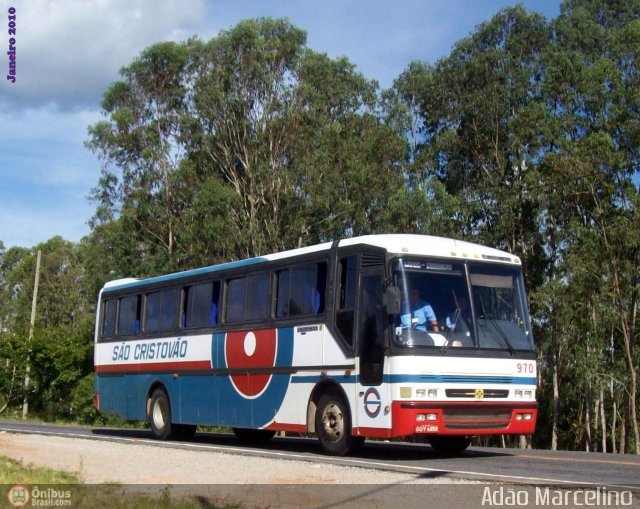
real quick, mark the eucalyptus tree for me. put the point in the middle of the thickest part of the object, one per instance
(140, 147)
(251, 140)
(483, 121)
(590, 92)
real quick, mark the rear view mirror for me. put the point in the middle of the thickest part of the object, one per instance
(392, 299)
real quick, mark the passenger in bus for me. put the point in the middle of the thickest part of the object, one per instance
(213, 315)
(418, 314)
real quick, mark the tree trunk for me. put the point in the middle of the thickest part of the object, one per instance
(614, 411)
(623, 433)
(603, 421)
(587, 418)
(634, 415)
(556, 397)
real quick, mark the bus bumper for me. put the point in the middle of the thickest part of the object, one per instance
(461, 418)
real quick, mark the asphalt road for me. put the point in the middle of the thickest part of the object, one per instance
(561, 469)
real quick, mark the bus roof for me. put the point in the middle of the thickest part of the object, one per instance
(427, 245)
(419, 245)
(400, 244)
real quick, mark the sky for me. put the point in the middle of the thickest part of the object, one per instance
(69, 51)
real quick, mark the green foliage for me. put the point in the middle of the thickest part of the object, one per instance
(13, 472)
(104, 496)
(266, 145)
(59, 352)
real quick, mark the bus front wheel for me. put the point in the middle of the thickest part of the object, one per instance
(160, 415)
(333, 424)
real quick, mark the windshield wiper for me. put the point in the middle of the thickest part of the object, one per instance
(447, 338)
(503, 336)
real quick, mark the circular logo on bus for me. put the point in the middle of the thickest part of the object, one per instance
(246, 353)
(372, 402)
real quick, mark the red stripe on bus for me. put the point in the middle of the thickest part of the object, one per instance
(154, 366)
(282, 426)
(373, 432)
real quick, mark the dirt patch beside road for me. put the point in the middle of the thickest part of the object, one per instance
(216, 478)
(98, 461)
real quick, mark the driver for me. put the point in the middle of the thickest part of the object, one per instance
(418, 314)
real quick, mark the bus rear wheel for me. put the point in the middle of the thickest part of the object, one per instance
(450, 445)
(160, 415)
(333, 424)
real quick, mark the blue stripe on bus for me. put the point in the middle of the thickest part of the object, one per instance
(441, 379)
(188, 273)
(460, 379)
(314, 379)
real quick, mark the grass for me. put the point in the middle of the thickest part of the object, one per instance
(105, 421)
(103, 496)
(108, 421)
(12, 472)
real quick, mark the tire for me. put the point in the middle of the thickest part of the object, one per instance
(160, 415)
(254, 436)
(449, 445)
(333, 424)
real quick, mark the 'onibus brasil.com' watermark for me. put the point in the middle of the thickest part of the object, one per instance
(21, 496)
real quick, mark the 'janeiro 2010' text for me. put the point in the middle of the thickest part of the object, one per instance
(11, 76)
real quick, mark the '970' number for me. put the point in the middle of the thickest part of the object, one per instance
(525, 367)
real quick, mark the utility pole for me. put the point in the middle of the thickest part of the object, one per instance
(25, 401)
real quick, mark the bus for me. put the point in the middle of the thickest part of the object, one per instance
(382, 336)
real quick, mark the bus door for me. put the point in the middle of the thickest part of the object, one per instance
(372, 395)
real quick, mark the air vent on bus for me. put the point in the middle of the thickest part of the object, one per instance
(372, 260)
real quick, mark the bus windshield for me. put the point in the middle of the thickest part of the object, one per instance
(445, 304)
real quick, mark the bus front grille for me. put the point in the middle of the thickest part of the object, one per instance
(471, 393)
(476, 418)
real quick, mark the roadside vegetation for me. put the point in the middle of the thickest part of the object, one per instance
(13, 472)
(104, 496)
(526, 137)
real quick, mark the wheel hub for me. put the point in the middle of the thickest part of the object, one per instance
(158, 416)
(333, 422)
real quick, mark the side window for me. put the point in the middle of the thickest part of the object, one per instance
(169, 309)
(109, 317)
(152, 312)
(201, 305)
(347, 286)
(257, 303)
(235, 300)
(282, 302)
(129, 316)
(161, 310)
(301, 290)
(248, 298)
